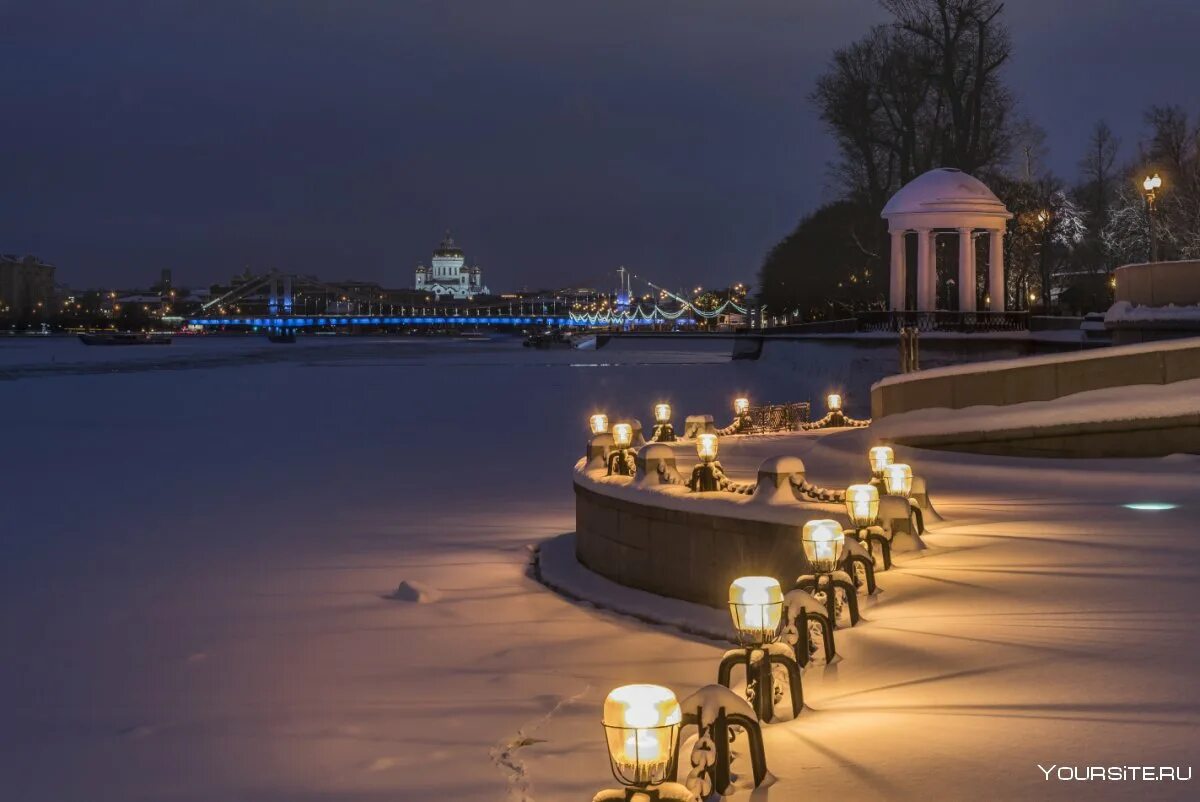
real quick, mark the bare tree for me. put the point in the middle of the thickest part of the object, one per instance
(921, 92)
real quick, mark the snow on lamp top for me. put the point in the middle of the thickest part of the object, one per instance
(622, 435)
(741, 406)
(641, 723)
(880, 457)
(599, 423)
(756, 604)
(662, 413)
(823, 541)
(862, 504)
(898, 478)
(706, 447)
(833, 402)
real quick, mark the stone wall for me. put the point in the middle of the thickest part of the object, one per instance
(1159, 283)
(685, 555)
(1016, 382)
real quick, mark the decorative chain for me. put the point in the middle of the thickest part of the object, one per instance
(827, 421)
(729, 486)
(815, 493)
(669, 477)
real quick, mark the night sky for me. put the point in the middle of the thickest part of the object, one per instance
(557, 138)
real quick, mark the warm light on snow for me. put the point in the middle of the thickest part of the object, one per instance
(622, 435)
(641, 723)
(756, 604)
(862, 504)
(706, 447)
(823, 541)
(898, 478)
(662, 413)
(599, 424)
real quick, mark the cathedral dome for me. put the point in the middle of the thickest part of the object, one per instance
(448, 248)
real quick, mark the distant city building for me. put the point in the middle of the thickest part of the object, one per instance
(448, 274)
(26, 285)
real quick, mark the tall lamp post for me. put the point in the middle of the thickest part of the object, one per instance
(1151, 185)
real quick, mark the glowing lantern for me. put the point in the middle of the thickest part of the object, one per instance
(662, 413)
(880, 457)
(641, 723)
(756, 604)
(862, 505)
(741, 406)
(599, 424)
(823, 541)
(706, 447)
(833, 402)
(622, 435)
(898, 478)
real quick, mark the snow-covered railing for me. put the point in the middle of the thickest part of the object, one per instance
(966, 322)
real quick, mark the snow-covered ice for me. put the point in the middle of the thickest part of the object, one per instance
(196, 562)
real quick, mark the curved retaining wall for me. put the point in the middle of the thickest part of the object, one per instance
(1048, 379)
(685, 555)
(1017, 381)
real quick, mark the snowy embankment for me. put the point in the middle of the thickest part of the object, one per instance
(196, 565)
(1124, 312)
(1138, 402)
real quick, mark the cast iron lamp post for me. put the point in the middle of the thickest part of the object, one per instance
(641, 728)
(664, 432)
(706, 475)
(621, 461)
(1151, 185)
(823, 541)
(880, 457)
(898, 481)
(862, 508)
(756, 606)
(834, 416)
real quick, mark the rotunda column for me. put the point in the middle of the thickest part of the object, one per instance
(966, 271)
(996, 287)
(926, 272)
(899, 274)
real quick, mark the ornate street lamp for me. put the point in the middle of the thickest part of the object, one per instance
(823, 542)
(706, 475)
(880, 457)
(600, 444)
(834, 417)
(1151, 184)
(756, 606)
(862, 508)
(641, 727)
(664, 432)
(897, 479)
(621, 461)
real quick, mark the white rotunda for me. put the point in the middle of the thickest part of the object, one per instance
(946, 200)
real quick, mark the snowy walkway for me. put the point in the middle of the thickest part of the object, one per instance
(196, 560)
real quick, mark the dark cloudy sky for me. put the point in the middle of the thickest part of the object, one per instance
(558, 138)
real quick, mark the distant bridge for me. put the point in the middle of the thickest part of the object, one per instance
(339, 307)
(341, 321)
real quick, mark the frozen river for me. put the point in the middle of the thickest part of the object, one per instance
(198, 541)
